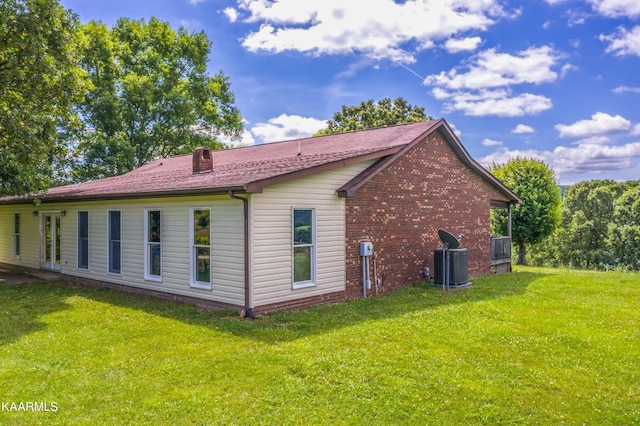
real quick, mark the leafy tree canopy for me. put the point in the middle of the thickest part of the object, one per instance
(372, 114)
(150, 97)
(600, 227)
(40, 81)
(540, 213)
(624, 231)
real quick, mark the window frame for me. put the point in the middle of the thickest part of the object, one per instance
(109, 242)
(193, 281)
(148, 246)
(313, 249)
(79, 241)
(17, 225)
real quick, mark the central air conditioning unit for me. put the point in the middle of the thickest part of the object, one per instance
(458, 266)
(456, 259)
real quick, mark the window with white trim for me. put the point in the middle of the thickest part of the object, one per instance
(83, 240)
(200, 235)
(153, 245)
(304, 248)
(115, 243)
(16, 234)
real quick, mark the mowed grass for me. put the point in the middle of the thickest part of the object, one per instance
(538, 346)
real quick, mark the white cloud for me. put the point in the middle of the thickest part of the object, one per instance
(231, 14)
(636, 130)
(624, 42)
(490, 142)
(381, 29)
(601, 124)
(501, 103)
(247, 137)
(462, 44)
(194, 2)
(593, 140)
(617, 8)
(455, 130)
(492, 69)
(585, 159)
(485, 87)
(286, 127)
(523, 128)
(623, 89)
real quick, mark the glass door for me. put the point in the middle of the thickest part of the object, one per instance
(51, 241)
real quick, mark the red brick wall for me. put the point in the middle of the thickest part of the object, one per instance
(401, 209)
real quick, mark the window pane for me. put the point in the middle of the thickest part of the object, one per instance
(301, 264)
(16, 223)
(83, 224)
(154, 259)
(201, 229)
(57, 237)
(114, 256)
(154, 226)
(114, 226)
(47, 238)
(83, 253)
(203, 259)
(302, 227)
(83, 240)
(16, 245)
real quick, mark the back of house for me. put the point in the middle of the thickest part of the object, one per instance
(266, 227)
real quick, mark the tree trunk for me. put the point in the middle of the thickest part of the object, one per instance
(522, 255)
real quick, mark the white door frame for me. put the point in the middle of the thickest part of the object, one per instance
(50, 240)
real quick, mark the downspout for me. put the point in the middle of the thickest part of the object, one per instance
(247, 310)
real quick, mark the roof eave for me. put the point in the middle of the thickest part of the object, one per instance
(125, 195)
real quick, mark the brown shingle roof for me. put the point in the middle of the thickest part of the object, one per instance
(250, 168)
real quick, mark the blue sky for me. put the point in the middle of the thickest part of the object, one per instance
(557, 80)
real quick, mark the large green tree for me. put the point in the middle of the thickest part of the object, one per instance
(151, 96)
(39, 84)
(540, 213)
(624, 230)
(372, 114)
(587, 211)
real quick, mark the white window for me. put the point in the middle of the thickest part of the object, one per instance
(200, 236)
(304, 249)
(115, 248)
(83, 240)
(16, 234)
(153, 245)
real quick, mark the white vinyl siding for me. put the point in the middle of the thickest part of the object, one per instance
(271, 235)
(227, 237)
(29, 236)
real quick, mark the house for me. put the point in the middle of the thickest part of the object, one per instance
(265, 227)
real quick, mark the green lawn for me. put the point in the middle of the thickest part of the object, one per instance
(538, 346)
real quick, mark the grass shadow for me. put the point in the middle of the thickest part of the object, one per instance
(291, 325)
(23, 305)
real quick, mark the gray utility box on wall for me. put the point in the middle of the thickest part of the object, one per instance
(458, 266)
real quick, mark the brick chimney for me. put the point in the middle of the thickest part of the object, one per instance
(202, 160)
